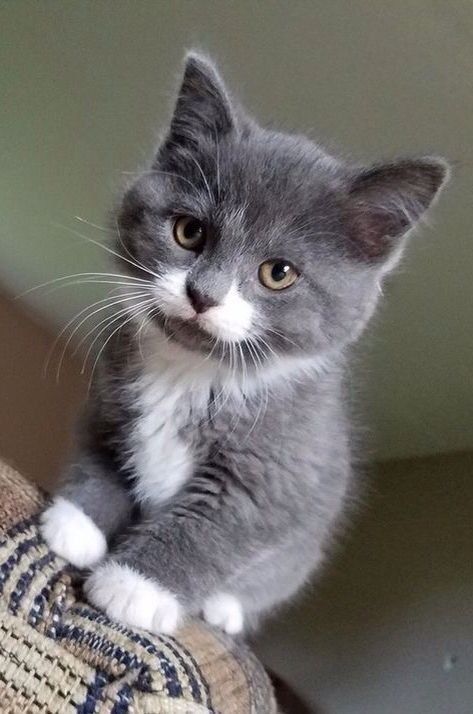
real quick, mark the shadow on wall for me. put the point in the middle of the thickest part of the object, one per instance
(36, 413)
(289, 702)
(389, 627)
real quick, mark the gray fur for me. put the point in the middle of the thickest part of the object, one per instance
(273, 470)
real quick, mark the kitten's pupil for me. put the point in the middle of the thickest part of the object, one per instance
(193, 230)
(279, 271)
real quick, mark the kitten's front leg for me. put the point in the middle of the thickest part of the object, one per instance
(145, 583)
(91, 505)
(177, 565)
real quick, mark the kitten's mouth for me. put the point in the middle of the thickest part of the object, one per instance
(187, 333)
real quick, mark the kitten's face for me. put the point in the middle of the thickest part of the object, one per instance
(261, 240)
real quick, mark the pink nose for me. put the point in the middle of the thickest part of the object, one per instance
(199, 301)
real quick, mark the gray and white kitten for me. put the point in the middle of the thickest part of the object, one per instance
(214, 460)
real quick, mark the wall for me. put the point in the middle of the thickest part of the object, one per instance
(36, 413)
(389, 628)
(87, 86)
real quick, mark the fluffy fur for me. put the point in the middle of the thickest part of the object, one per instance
(215, 449)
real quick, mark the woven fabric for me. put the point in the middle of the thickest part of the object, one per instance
(59, 654)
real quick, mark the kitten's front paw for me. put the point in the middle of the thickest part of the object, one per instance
(129, 597)
(224, 611)
(70, 533)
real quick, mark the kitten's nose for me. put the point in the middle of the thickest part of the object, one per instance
(199, 301)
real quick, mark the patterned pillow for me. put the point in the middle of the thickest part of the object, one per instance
(59, 654)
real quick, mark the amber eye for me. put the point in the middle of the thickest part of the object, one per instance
(277, 274)
(189, 233)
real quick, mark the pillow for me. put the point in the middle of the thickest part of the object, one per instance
(59, 654)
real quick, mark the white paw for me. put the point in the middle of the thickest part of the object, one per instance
(70, 533)
(132, 599)
(224, 611)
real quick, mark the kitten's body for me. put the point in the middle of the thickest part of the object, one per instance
(215, 453)
(275, 458)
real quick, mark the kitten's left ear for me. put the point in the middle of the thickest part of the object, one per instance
(386, 201)
(203, 105)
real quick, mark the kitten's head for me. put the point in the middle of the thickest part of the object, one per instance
(261, 239)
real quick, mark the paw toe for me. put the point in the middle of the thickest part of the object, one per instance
(70, 533)
(224, 611)
(130, 598)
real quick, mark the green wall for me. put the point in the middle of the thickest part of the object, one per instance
(85, 87)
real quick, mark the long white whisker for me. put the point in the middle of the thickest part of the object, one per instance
(108, 304)
(80, 275)
(120, 326)
(133, 258)
(258, 413)
(117, 284)
(111, 320)
(93, 225)
(259, 339)
(107, 249)
(51, 351)
(144, 323)
(282, 335)
(131, 297)
(217, 161)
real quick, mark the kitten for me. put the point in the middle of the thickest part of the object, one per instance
(214, 456)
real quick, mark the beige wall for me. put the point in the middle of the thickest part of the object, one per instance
(36, 414)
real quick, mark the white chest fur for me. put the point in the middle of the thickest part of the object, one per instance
(174, 392)
(169, 397)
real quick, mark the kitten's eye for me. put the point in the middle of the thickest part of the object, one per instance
(189, 233)
(277, 274)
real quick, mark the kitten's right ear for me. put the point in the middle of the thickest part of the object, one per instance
(203, 105)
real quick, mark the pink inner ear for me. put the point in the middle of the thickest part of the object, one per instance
(386, 200)
(372, 230)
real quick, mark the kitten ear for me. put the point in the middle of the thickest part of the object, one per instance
(386, 201)
(203, 105)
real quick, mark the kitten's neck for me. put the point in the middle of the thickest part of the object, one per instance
(189, 370)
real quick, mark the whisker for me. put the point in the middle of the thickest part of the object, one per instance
(107, 249)
(127, 251)
(259, 339)
(120, 326)
(258, 413)
(282, 335)
(110, 320)
(217, 160)
(145, 323)
(117, 284)
(79, 275)
(93, 225)
(109, 302)
(95, 327)
(108, 299)
(143, 267)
